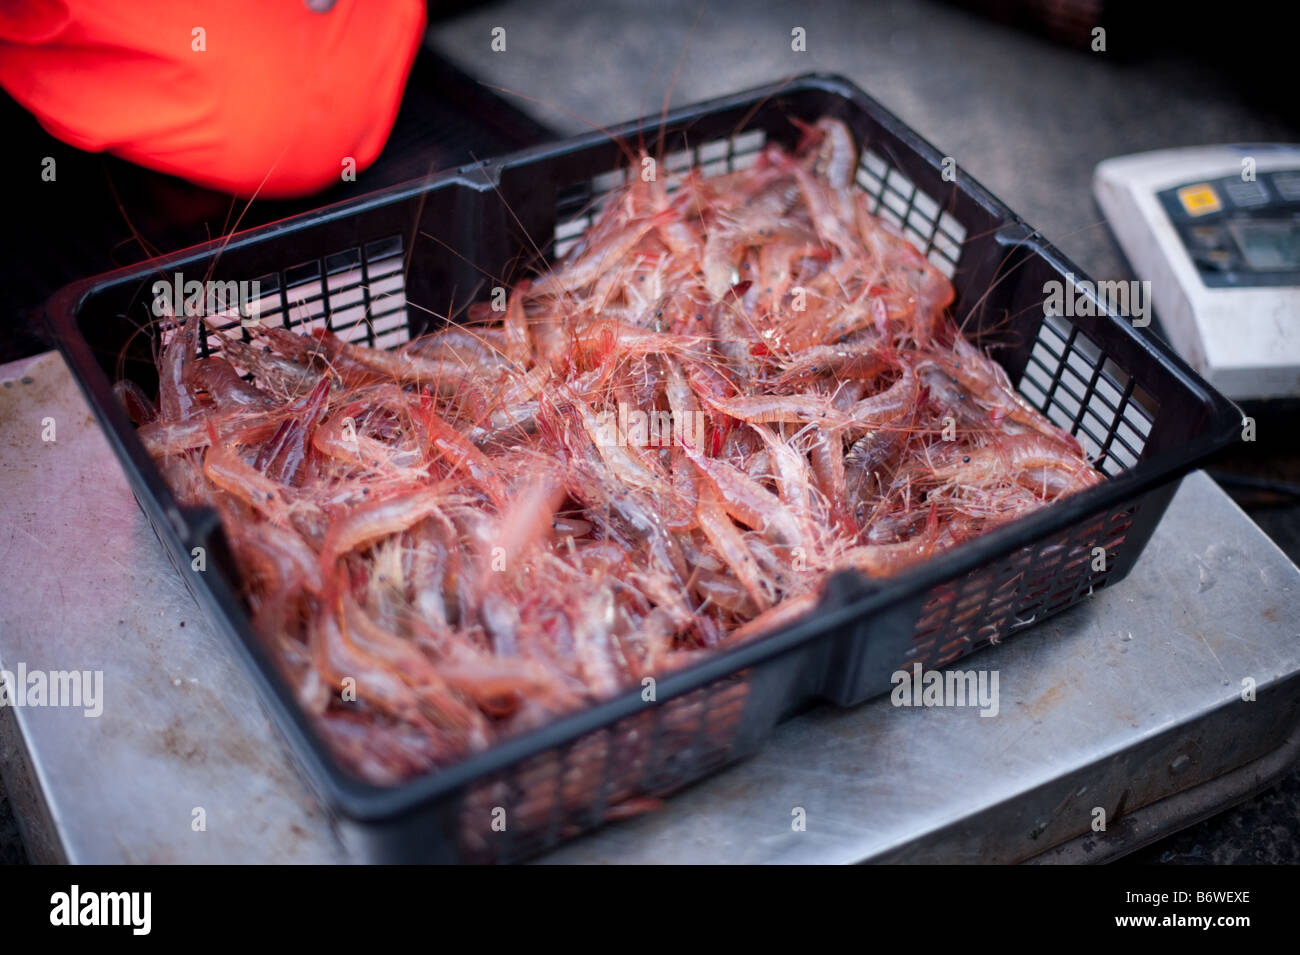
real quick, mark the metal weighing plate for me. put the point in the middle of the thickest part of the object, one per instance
(1133, 696)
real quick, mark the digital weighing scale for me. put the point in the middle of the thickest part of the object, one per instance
(1216, 230)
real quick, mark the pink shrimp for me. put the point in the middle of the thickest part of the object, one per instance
(285, 455)
(377, 519)
(747, 501)
(1032, 460)
(227, 471)
(730, 545)
(177, 400)
(783, 614)
(218, 378)
(860, 359)
(805, 408)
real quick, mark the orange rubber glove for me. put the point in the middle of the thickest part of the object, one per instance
(244, 96)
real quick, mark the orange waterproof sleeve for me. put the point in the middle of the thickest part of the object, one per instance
(240, 95)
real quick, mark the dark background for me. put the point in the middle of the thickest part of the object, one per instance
(1010, 88)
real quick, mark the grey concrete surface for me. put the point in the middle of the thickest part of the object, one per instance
(1026, 117)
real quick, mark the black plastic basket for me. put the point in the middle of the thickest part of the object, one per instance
(380, 267)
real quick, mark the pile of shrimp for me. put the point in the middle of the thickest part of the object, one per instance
(460, 539)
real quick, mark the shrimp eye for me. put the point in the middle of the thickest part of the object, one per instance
(965, 459)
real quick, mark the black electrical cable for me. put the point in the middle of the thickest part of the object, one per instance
(1250, 482)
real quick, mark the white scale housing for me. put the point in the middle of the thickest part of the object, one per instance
(1222, 253)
